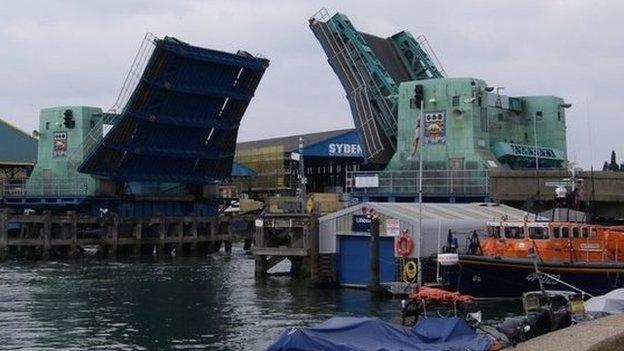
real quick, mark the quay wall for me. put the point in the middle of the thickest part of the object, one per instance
(604, 334)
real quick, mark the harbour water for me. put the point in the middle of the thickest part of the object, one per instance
(173, 303)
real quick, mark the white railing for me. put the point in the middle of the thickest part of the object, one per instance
(435, 182)
(12, 188)
(424, 44)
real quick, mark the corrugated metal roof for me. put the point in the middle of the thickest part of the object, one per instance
(438, 219)
(436, 211)
(291, 143)
(16, 146)
(240, 170)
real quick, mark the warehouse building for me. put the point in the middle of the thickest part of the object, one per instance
(18, 152)
(328, 156)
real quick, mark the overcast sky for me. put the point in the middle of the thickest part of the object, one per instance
(78, 52)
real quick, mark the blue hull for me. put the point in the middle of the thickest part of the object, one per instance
(488, 277)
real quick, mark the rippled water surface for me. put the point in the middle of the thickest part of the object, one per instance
(181, 303)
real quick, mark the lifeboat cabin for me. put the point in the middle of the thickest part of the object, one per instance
(554, 241)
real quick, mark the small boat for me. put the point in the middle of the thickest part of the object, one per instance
(362, 333)
(586, 256)
(441, 302)
(610, 303)
(545, 311)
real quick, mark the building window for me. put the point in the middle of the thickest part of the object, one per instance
(538, 233)
(500, 117)
(479, 101)
(514, 233)
(559, 115)
(565, 232)
(575, 232)
(484, 120)
(538, 113)
(47, 125)
(455, 100)
(556, 232)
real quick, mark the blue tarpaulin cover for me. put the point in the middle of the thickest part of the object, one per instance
(350, 333)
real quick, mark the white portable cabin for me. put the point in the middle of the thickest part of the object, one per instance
(437, 219)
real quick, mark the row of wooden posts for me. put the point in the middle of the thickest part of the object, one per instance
(67, 235)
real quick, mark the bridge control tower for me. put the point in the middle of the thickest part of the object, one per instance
(169, 137)
(467, 123)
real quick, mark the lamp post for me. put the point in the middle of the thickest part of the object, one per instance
(535, 141)
(537, 177)
(420, 186)
(302, 179)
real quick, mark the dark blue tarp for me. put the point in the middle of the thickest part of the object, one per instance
(350, 334)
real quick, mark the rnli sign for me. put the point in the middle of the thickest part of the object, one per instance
(354, 150)
(361, 223)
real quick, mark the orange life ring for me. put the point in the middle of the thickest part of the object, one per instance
(404, 245)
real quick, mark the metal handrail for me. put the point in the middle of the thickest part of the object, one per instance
(435, 182)
(13, 188)
(130, 82)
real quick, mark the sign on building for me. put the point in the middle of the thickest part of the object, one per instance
(393, 227)
(343, 149)
(435, 127)
(361, 223)
(60, 144)
(367, 181)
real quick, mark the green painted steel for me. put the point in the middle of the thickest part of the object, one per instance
(467, 127)
(415, 58)
(54, 174)
(370, 69)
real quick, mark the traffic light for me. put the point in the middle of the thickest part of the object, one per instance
(68, 119)
(419, 96)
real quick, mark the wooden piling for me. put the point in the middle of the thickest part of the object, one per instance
(261, 266)
(214, 228)
(194, 234)
(230, 235)
(137, 231)
(62, 235)
(46, 236)
(314, 250)
(73, 232)
(114, 235)
(374, 286)
(162, 234)
(4, 233)
(180, 236)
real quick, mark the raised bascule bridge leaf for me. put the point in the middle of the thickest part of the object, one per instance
(180, 122)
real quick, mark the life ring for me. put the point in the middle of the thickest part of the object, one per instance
(410, 270)
(404, 245)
